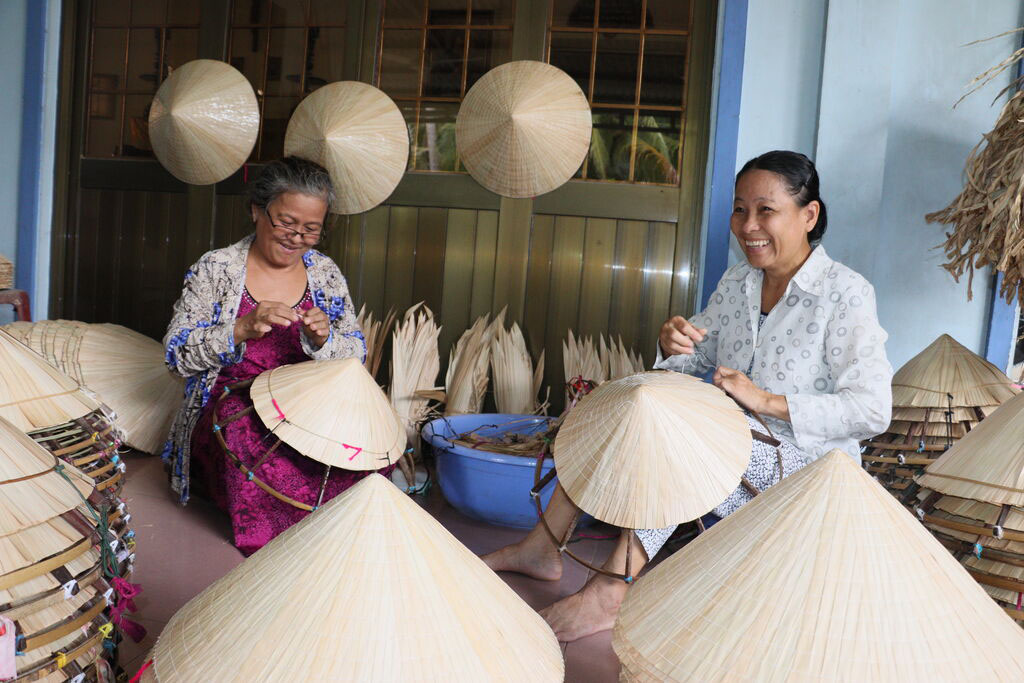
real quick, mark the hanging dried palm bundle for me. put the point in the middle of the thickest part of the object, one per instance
(415, 364)
(466, 380)
(515, 379)
(986, 215)
(375, 333)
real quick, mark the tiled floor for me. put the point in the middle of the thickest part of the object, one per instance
(181, 551)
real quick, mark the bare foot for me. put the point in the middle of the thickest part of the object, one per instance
(593, 609)
(539, 560)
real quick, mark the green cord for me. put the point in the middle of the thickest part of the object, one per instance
(108, 558)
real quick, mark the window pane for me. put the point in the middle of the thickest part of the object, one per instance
(487, 49)
(404, 12)
(110, 12)
(287, 12)
(181, 45)
(615, 69)
(664, 70)
(184, 12)
(149, 12)
(570, 52)
(442, 67)
(285, 61)
(328, 12)
(276, 113)
(325, 57)
(400, 63)
(248, 51)
(573, 13)
(249, 12)
(104, 124)
(408, 110)
(493, 12)
(620, 14)
(447, 12)
(135, 142)
(657, 147)
(610, 145)
(436, 141)
(668, 14)
(143, 59)
(108, 48)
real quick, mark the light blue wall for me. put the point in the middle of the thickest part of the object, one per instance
(12, 57)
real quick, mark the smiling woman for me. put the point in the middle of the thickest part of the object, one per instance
(268, 300)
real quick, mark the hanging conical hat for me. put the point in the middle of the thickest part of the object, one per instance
(822, 577)
(988, 463)
(944, 367)
(204, 121)
(368, 588)
(32, 393)
(32, 490)
(652, 449)
(331, 411)
(357, 133)
(523, 129)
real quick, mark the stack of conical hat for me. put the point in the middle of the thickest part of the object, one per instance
(937, 397)
(123, 368)
(973, 500)
(51, 581)
(368, 588)
(652, 449)
(331, 411)
(822, 577)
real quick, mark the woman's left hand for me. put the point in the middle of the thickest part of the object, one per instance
(746, 393)
(317, 326)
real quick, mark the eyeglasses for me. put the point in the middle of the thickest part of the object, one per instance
(310, 238)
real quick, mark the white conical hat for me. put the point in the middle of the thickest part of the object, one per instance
(523, 129)
(33, 394)
(652, 449)
(988, 463)
(331, 411)
(822, 577)
(358, 134)
(204, 121)
(947, 367)
(368, 588)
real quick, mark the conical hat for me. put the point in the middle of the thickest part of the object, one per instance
(32, 490)
(988, 463)
(944, 367)
(822, 577)
(368, 588)
(204, 121)
(32, 393)
(331, 411)
(523, 129)
(358, 134)
(652, 449)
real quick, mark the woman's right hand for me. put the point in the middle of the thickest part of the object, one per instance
(261, 320)
(679, 336)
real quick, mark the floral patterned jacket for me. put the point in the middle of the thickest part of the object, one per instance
(200, 339)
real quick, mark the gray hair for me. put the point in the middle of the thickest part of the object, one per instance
(291, 174)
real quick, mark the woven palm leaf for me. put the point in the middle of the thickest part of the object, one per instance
(415, 364)
(947, 367)
(34, 593)
(59, 613)
(652, 449)
(375, 332)
(822, 577)
(19, 329)
(368, 588)
(515, 379)
(523, 129)
(204, 121)
(29, 545)
(331, 411)
(358, 134)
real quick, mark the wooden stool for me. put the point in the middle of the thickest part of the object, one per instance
(19, 299)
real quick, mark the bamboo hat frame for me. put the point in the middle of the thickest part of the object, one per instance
(358, 134)
(824, 576)
(523, 129)
(203, 121)
(332, 583)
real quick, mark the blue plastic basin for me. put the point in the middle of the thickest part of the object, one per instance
(488, 486)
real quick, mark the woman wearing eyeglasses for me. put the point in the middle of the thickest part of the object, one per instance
(269, 300)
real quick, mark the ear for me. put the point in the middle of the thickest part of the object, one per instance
(810, 214)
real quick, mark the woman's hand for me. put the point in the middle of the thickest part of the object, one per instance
(317, 326)
(261, 320)
(748, 395)
(679, 336)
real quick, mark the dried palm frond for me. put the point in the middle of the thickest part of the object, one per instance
(415, 363)
(620, 361)
(516, 382)
(466, 381)
(375, 333)
(580, 358)
(986, 215)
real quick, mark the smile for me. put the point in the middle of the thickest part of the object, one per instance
(756, 244)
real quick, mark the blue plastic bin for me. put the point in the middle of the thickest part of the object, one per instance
(488, 486)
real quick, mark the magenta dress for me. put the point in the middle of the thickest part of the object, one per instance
(257, 516)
